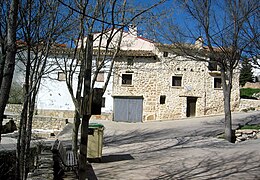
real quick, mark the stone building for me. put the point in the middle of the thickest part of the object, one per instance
(148, 82)
(157, 85)
(54, 98)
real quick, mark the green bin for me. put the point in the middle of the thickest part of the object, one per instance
(95, 141)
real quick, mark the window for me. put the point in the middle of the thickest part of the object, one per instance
(127, 79)
(61, 76)
(176, 80)
(217, 83)
(162, 99)
(100, 77)
(103, 102)
(165, 54)
(130, 61)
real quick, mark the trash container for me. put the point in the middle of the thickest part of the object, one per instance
(95, 141)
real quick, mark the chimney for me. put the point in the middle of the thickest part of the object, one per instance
(132, 30)
(199, 42)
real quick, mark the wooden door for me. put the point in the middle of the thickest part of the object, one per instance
(191, 106)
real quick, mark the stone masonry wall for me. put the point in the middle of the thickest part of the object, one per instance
(14, 108)
(56, 113)
(153, 77)
(249, 104)
(43, 122)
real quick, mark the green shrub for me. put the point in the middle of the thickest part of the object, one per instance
(251, 127)
(248, 93)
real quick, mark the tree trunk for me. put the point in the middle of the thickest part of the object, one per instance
(228, 121)
(75, 131)
(8, 71)
(29, 133)
(227, 85)
(2, 60)
(86, 108)
(83, 147)
(21, 142)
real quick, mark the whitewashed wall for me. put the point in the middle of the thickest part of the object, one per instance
(54, 94)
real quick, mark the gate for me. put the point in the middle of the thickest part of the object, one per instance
(128, 108)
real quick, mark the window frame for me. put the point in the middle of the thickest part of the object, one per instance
(162, 99)
(165, 54)
(103, 104)
(215, 83)
(172, 80)
(126, 74)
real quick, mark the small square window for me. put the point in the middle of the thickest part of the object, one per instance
(103, 102)
(165, 54)
(176, 80)
(61, 76)
(100, 77)
(127, 79)
(162, 99)
(217, 83)
(130, 61)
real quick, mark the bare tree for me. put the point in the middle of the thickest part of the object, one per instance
(224, 28)
(251, 31)
(8, 51)
(42, 25)
(109, 18)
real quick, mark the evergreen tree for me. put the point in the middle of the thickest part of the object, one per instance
(246, 74)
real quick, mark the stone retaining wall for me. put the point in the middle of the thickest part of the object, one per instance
(13, 108)
(255, 85)
(55, 113)
(43, 122)
(249, 104)
(246, 134)
(47, 122)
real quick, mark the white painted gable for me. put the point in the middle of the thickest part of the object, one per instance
(129, 41)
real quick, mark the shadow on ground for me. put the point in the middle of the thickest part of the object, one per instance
(237, 166)
(116, 158)
(219, 166)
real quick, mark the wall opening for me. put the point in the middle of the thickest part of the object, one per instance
(191, 106)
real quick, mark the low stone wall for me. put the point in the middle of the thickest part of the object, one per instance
(249, 104)
(43, 126)
(13, 108)
(255, 85)
(246, 134)
(47, 122)
(55, 113)
(70, 114)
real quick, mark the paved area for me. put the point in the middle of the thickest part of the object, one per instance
(181, 149)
